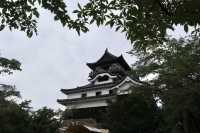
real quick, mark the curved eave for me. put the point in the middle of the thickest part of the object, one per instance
(88, 88)
(68, 102)
(96, 87)
(123, 62)
(68, 91)
(101, 74)
(61, 101)
(119, 59)
(91, 65)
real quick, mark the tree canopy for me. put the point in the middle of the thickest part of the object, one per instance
(22, 14)
(16, 116)
(176, 81)
(9, 65)
(144, 22)
(135, 113)
(170, 97)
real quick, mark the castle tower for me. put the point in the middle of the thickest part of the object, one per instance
(109, 77)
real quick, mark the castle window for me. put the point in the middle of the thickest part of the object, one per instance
(83, 95)
(98, 93)
(111, 92)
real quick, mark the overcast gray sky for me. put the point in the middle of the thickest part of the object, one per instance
(56, 58)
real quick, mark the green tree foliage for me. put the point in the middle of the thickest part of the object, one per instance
(173, 72)
(145, 22)
(8, 65)
(44, 121)
(84, 113)
(136, 113)
(7, 91)
(22, 14)
(176, 69)
(18, 117)
(13, 117)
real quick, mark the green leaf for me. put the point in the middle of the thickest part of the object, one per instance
(36, 13)
(79, 6)
(186, 27)
(29, 33)
(76, 11)
(117, 28)
(92, 21)
(78, 31)
(111, 23)
(39, 2)
(2, 27)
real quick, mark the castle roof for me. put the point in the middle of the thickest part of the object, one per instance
(91, 86)
(85, 99)
(109, 58)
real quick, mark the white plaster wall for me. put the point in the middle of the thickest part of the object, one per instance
(89, 93)
(105, 92)
(121, 89)
(89, 104)
(75, 95)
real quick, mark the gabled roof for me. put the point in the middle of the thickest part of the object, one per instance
(91, 86)
(86, 88)
(109, 58)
